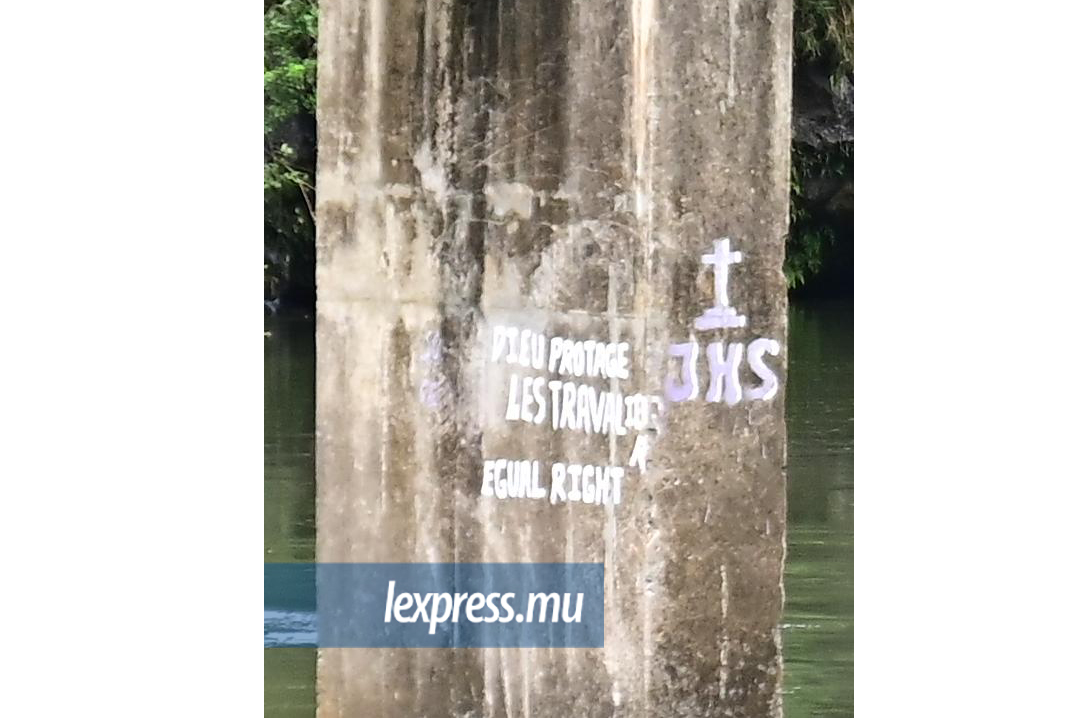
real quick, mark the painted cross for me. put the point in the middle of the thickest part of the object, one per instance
(722, 315)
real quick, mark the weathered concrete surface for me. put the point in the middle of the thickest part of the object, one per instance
(562, 166)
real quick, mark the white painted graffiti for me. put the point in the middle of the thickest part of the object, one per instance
(724, 360)
(567, 384)
(721, 315)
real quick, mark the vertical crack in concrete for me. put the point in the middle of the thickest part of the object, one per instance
(732, 36)
(725, 597)
(611, 525)
(643, 14)
(373, 98)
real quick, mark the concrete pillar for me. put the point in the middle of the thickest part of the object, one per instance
(569, 168)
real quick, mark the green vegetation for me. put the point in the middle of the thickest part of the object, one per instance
(826, 29)
(814, 234)
(823, 147)
(289, 31)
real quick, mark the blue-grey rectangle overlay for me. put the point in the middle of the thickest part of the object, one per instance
(433, 605)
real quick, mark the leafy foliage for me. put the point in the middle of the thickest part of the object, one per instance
(824, 37)
(812, 231)
(825, 30)
(290, 28)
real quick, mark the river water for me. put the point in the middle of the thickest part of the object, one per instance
(819, 581)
